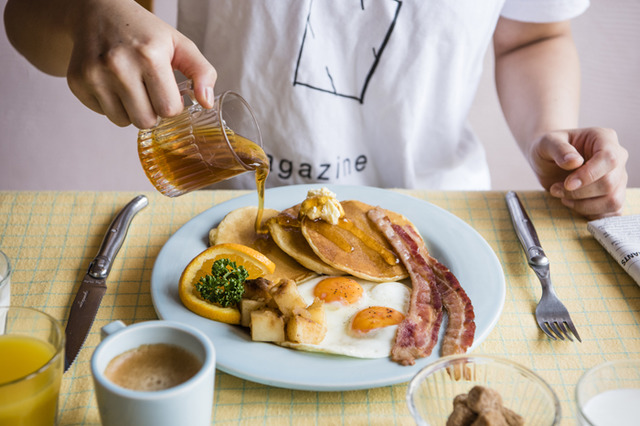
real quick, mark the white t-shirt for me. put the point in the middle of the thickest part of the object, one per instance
(360, 92)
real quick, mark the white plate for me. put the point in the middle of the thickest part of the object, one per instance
(448, 238)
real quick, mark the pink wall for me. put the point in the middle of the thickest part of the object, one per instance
(50, 141)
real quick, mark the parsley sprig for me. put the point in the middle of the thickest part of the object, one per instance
(225, 284)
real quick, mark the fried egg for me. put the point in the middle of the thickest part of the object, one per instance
(362, 316)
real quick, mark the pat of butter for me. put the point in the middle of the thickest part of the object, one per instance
(322, 204)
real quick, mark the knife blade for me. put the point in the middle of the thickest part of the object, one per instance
(93, 287)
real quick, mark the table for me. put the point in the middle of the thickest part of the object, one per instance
(52, 236)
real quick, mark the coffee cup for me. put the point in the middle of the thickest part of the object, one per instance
(140, 376)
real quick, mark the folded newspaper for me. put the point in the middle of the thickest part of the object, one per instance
(620, 236)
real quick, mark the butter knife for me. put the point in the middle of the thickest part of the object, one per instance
(93, 286)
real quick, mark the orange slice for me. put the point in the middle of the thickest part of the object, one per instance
(256, 264)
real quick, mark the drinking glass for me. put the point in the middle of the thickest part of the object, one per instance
(5, 282)
(200, 146)
(609, 394)
(31, 363)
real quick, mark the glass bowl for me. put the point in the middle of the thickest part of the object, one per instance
(431, 392)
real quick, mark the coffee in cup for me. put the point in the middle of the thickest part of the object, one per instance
(153, 367)
(154, 373)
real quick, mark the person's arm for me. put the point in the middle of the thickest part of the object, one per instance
(538, 83)
(38, 30)
(118, 57)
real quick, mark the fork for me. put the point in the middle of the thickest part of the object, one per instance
(552, 316)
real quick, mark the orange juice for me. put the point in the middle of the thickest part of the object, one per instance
(27, 398)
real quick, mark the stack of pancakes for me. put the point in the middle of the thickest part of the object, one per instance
(303, 248)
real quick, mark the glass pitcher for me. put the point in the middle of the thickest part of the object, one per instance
(200, 146)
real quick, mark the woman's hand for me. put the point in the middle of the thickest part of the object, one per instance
(122, 64)
(538, 82)
(118, 57)
(585, 168)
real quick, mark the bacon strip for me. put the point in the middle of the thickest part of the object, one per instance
(418, 333)
(461, 326)
(422, 266)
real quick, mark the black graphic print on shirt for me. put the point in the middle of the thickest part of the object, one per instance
(342, 45)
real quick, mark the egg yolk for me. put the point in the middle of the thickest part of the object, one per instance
(375, 317)
(338, 289)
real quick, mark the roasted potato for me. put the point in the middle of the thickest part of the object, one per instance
(246, 307)
(286, 296)
(316, 311)
(304, 330)
(258, 289)
(267, 325)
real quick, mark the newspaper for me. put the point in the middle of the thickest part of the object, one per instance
(620, 236)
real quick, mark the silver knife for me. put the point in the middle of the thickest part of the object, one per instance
(525, 231)
(551, 314)
(93, 286)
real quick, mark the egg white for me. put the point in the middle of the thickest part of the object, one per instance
(339, 338)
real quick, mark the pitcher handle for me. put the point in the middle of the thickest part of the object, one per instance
(186, 90)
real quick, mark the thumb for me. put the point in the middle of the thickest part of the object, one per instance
(189, 61)
(555, 147)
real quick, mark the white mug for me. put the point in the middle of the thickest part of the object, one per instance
(190, 402)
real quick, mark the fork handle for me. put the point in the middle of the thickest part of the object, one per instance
(526, 231)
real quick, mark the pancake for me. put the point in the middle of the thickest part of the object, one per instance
(238, 227)
(355, 245)
(285, 231)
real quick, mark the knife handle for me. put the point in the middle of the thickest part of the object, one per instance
(113, 239)
(526, 231)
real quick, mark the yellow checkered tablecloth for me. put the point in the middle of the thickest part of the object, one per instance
(51, 237)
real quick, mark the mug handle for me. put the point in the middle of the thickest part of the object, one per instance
(111, 328)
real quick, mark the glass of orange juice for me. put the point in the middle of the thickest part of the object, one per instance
(31, 365)
(200, 146)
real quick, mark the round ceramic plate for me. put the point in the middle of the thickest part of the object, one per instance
(449, 239)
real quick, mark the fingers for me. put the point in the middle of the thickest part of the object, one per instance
(162, 91)
(114, 109)
(138, 88)
(604, 197)
(605, 155)
(113, 86)
(124, 67)
(596, 188)
(193, 65)
(609, 204)
(555, 147)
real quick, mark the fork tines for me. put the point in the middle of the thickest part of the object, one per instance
(556, 330)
